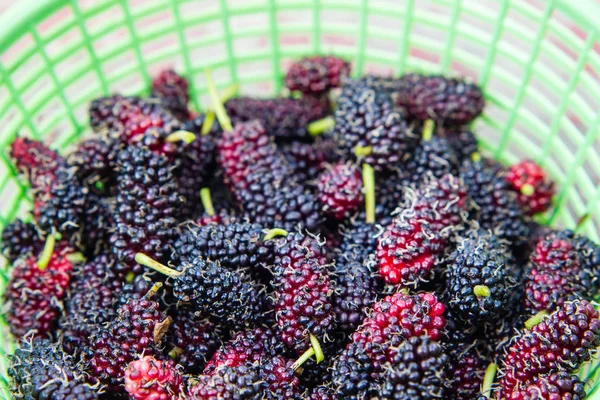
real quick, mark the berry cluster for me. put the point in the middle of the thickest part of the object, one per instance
(347, 242)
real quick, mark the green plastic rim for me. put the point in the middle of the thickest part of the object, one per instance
(537, 61)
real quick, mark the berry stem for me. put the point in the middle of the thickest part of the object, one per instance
(129, 277)
(303, 358)
(209, 117)
(217, 104)
(363, 151)
(488, 380)
(368, 176)
(271, 233)
(146, 261)
(75, 257)
(536, 319)
(181, 135)
(527, 189)
(154, 289)
(319, 126)
(481, 291)
(175, 352)
(207, 201)
(428, 128)
(317, 346)
(230, 92)
(46, 254)
(209, 120)
(476, 157)
(314, 350)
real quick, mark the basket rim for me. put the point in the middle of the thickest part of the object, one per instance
(22, 14)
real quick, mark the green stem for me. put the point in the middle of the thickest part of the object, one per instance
(130, 277)
(207, 201)
(317, 346)
(536, 319)
(527, 189)
(476, 157)
(363, 151)
(488, 380)
(75, 257)
(46, 254)
(428, 128)
(146, 261)
(230, 92)
(319, 126)
(303, 358)
(183, 136)
(209, 120)
(217, 104)
(481, 291)
(368, 176)
(175, 352)
(271, 233)
(154, 289)
(209, 117)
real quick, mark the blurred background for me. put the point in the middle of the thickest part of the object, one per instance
(539, 61)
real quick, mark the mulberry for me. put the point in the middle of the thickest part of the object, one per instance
(149, 378)
(394, 318)
(479, 283)
(534, 188)
(145, 207)
(303, 302)
(35, 292)
(20, 239)
(448, 101)
(407, 249)
(340, 191)
(498, 208)
(229, 296)
(41, 370)
(95, 163)
(366, 118)
(173, 91)
(416, 371)
(193, 340)
(128, 118)
(560, 342)
(558, 385)
(137, 330)
(89, 302)
(283, 119)
(229, 383)
(316, 75)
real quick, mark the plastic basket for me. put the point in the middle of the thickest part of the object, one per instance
(538, 61)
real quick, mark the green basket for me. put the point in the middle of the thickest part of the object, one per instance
(537, 60)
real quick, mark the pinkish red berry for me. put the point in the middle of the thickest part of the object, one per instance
(407, 250)
(556, 386)
(535, 189)
(151, 379)
(560, 342)
(34, 296)
(340, 191)
(316, 75)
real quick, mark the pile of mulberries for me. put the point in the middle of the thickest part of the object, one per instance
(350, 241)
